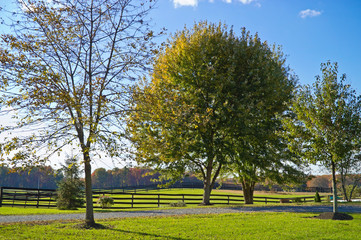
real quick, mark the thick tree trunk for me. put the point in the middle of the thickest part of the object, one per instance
(207, 189)
(248, 190)
(89, 214)
(334, 187)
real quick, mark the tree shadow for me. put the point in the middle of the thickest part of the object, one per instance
(149, 234)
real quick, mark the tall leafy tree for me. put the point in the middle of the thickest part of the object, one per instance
(324, 125)
(65, 70)
(202, 97)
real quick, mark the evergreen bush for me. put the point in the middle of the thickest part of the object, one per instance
(317, 197)
(70, 195)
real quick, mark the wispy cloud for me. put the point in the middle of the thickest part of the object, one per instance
(247, 1)
(180, 3)
(309, 13)
(194, 3)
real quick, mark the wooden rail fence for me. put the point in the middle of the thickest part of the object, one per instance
(30, 197)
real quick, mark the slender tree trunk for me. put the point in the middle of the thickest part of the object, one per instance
(89, 214)
(351, 192)
(344, 190)
(248, 190)
(343, 186)
(334, 187)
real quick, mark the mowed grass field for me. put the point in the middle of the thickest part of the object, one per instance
(212, 226)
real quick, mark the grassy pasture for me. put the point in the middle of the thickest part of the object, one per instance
(223, 226)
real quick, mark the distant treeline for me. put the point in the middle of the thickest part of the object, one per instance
(47, 178)
(118, 178)
(130, 177)
(44, 177)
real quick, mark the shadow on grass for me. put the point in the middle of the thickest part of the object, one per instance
(148, 234)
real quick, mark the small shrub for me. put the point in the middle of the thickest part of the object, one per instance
(178, 204)
(297, 200)
(105, 201)
(317, 197)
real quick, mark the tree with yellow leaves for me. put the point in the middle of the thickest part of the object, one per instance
(209, 91)
(65, 71)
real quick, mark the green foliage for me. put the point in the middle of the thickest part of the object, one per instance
(324, 125)
(209, 92)
(317, 197)
(70, 194)
(105, 201)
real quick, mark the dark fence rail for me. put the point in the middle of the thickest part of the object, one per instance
(30, 197)
(225, 186)
(27, 197)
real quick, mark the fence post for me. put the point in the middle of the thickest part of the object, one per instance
(1, 196)
(51, 194)
(37, 203)
(183, 197)
(158, 200)
(14, 199)
(132, 199)
(265, 200)
(228, 199)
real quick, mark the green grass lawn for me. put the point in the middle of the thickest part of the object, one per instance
(223, 226)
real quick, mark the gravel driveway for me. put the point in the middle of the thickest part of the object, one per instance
(172, 212)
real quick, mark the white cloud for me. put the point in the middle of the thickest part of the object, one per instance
(309, 13)
(194, 3)
(180, 3)
(247, 1)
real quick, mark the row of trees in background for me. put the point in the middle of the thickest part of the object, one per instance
(122, 177)
(44, 177)
(49, 178)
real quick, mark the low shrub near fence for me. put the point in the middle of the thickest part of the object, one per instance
(28, 197)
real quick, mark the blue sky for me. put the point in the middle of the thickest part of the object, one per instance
(309, 31)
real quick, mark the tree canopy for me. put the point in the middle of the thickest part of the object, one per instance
(324, 123)
(65, 70)
(208, 90)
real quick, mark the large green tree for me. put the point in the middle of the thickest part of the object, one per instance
(324, 122)
(204, 92)
(65, 70)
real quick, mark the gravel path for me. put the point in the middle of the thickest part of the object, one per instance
(172, 212)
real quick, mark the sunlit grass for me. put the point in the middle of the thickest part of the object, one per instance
(223, 226)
